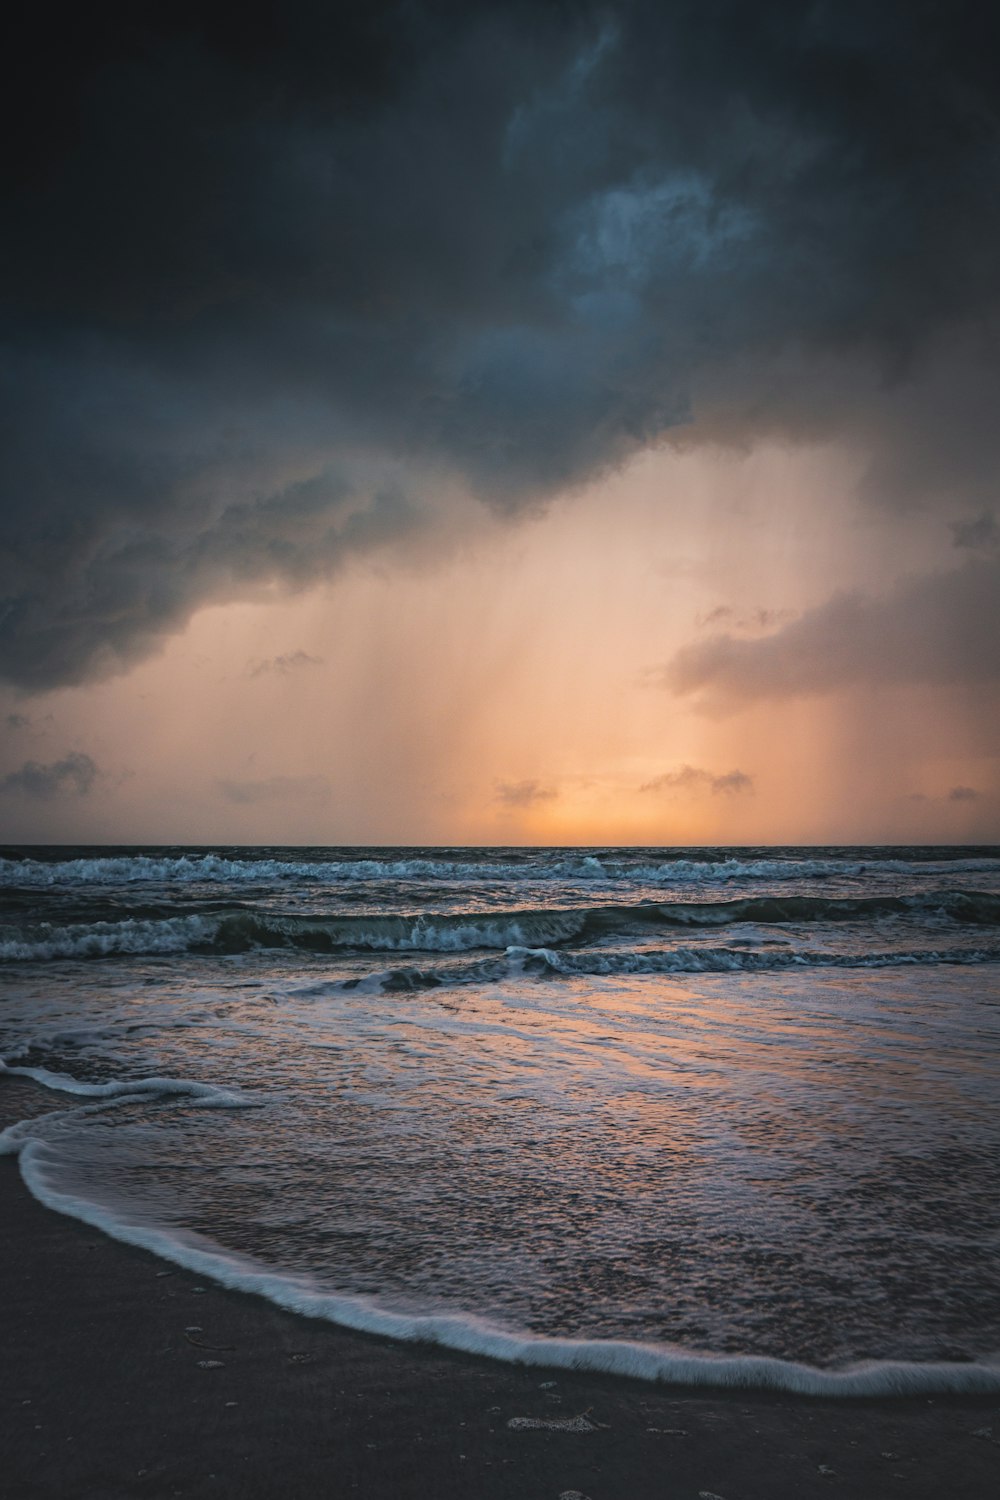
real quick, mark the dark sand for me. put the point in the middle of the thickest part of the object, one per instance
(104, 1395)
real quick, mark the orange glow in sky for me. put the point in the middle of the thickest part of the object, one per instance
(512, 690)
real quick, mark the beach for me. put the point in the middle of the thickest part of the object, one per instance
(123, 1375)
(333, 1172)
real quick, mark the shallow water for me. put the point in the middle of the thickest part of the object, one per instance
(614, 1107)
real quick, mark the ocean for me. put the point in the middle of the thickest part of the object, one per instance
(724, 1116)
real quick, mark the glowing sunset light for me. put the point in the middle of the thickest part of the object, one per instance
(520, 689)
(625, 471)
(500, 748)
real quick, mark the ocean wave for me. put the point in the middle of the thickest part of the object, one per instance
(136, 868)
(981, 908)
(107, 939)
(732, 960)
(119, 1090)
(533, 866)
(216, 869)
(467, 1331)
(240, 931)
(549, 963)
(713, 872)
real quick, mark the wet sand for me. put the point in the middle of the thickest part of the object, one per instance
(121, 1376)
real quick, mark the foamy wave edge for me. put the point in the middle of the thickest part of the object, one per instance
(586, 868)
(656, 1363)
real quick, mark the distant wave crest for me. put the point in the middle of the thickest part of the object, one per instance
(533, 866)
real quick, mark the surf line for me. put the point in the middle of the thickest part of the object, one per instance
(656, 1363)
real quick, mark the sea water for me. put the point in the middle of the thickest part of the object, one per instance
(716, 1115)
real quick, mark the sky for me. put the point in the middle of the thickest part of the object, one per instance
(501, 423)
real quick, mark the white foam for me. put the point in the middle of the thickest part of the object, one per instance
(98, 939)
(432, 933)
(460, 1331)
(205, 1095)
(214, 869)
(473, 1335)
(538, 866)
(696, 872)
(128, 869)
(733, 960)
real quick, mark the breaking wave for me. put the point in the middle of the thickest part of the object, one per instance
(107, 939)
(240, 931)
(549, 963)
(532, 866)
(733, 960)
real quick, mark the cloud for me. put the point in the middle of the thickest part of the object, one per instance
(18, 721)
(693, 779)
(939, 627)
(250, 336)
(285, 664)
(74, 775)
(275, 789)
(523, 793)
(979, 535)
(750, 619)
(955, 794)
(721, 614)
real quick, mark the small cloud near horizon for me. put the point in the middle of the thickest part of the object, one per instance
(749, 619)
(523, 793)
(963, 794)
(695, 778)
(979, 535)
(74, 775)
(285, 664)
(275, 789)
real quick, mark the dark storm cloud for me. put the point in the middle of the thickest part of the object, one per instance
(937, 628)
(253, 258)
(696, 779)
(523, 793)
(74, 775)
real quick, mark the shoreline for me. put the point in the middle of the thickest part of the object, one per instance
(123, 1374)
